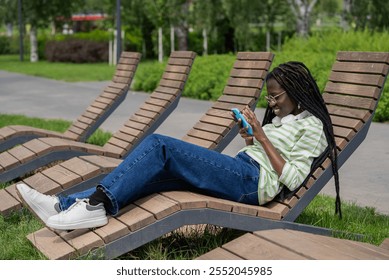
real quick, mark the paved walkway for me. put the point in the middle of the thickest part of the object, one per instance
(364, 177)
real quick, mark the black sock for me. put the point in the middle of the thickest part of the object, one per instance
(98, 197)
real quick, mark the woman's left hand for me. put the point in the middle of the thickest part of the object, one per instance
(253, 121)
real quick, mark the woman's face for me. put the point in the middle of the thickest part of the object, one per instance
(279, 100)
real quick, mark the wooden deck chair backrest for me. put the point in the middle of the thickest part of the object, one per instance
(217, 128)
(157, 107)
(355, 85)
(113, 94)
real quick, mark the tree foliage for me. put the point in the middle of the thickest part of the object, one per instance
(230, 25)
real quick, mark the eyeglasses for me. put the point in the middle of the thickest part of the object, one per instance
(271, 100)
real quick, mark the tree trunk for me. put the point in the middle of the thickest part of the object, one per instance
(302, 10)
(182, 28)
(9, 28)
(34, 45)
(182, 38)
(172, 38)
(205, 42)
(160, 45)
(345, 13)
(268, 41)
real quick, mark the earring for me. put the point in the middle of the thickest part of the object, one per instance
(299, 106)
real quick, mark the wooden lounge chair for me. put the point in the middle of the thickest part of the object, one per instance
(39, 152)
(285, 244)
(84, 126)
(214, 131)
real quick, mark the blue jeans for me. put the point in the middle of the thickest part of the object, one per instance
(161, 163)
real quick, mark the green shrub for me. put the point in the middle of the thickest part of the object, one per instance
(148, 75)
(206, 80)
(318, 52)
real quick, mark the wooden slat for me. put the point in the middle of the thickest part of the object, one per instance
(135, 217)
(251, 74)
(355, 67)
(207, 136)
(362, 115)
(159, 205)
(354, 124)
(8, 203)
(253, 247)
(82, 168)
(112, 231)
(358, 90)
(219, 254)
(218, 121)
(180, 61)
(235, 100)
(82, 240)
(183, 54)
(385, 244)
(200, 142)
(43, 184)
(358, 79)
(380, 57)
(252, 83)
(251, 64)
(62, 176)
(255, 56)
(178, 69)
(351, 101)
(241, 91)
(51, 245)
(187, 200)
(22, 154)
(7, 161)
(214, 128)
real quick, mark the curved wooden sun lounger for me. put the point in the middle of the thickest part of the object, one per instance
(87, 123)
(351, 94)
(143, 220)
(40, 152)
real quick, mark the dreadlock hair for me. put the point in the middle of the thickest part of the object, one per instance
(296, 79)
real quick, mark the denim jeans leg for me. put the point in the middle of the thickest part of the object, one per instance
(205, 170)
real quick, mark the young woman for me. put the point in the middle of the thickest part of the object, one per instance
(279, 155)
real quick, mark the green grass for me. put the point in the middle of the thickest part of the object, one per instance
(99, 137)
(189, 244)
(69, 72)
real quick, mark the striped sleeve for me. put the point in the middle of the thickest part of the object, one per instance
(311, 142)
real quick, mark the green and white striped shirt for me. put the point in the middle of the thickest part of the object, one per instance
(299, 139)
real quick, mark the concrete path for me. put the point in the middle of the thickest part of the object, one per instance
(364, 177)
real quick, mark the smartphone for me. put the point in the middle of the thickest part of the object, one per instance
(244, 123)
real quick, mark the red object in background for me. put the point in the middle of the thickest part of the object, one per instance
(88, 17)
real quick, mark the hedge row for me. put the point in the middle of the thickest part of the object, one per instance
(76, 51)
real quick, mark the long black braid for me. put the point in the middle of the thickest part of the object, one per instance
(296, 79)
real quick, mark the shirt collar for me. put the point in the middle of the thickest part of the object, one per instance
(277, 121)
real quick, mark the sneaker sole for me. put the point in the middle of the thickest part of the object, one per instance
(32, 210)
(80, 225)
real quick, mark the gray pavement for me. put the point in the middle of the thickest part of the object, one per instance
(364, 177)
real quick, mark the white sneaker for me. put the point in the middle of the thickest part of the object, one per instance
(79, 215)
(43, 206)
